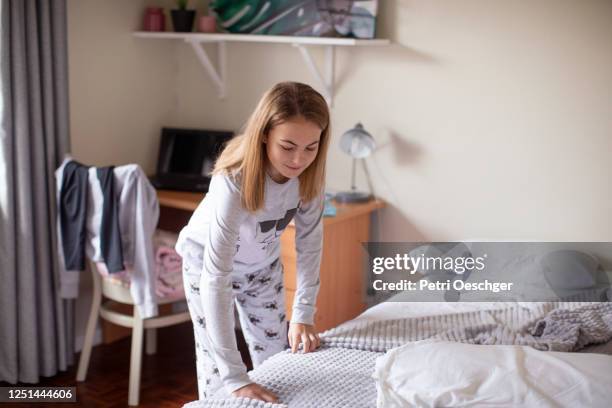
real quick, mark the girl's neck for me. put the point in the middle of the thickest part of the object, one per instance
(275, 175)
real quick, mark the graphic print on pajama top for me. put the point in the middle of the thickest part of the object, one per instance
(231, 258)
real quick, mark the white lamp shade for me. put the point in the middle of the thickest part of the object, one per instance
(357, 142)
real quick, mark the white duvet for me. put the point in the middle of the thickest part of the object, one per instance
(443, 374)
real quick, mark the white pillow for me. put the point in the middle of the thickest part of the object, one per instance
(434, 374)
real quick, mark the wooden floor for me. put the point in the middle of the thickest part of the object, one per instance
(168, 377)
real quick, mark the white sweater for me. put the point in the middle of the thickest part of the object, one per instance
(223, 239)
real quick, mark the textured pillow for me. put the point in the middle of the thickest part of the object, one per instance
(569, 269)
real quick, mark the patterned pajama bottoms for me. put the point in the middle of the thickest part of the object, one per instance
(260, 301)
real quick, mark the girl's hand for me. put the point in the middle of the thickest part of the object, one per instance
(303, 333)
(255, 391)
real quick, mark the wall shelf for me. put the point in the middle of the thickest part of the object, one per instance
(218, 74)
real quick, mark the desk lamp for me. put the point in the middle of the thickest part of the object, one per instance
(358, 144)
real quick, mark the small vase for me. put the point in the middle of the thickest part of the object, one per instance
(207, 24)
(182, 20)
(154, 19)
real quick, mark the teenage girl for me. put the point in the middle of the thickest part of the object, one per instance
(270, 174)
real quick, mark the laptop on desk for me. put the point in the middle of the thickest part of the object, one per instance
(186, 158)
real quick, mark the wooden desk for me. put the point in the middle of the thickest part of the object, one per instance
(181, 200)
(341, 296)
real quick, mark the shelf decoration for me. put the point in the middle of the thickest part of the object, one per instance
(182, 18)
(301, 23)
(319, 18)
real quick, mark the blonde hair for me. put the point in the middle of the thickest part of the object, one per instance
(244, 156)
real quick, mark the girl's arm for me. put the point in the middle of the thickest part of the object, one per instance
(308, 245)
(215, 283)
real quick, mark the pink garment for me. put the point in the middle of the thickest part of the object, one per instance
(168, 272)
(168, 266)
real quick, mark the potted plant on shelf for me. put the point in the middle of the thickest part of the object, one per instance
(182, 18)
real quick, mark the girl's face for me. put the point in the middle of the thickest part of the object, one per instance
(291, 147)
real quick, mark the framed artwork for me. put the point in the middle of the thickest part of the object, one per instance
(318, 18)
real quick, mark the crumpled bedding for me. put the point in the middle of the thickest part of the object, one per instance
(340, 373)
(424, 374)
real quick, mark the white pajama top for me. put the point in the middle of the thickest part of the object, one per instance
(225, 239)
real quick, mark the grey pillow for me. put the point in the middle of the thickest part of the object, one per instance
(569, 269)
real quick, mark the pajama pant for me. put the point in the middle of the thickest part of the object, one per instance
(260, 300)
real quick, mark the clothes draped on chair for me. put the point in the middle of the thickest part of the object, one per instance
(110, 233)
(168, 268)
(120, 220)
(73, 210)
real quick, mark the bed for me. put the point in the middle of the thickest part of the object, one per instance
(399, 354)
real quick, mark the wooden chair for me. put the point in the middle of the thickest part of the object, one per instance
(117, 293)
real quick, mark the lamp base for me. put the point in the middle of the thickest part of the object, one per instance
(346, 197)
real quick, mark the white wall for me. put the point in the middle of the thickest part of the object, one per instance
(493, 118)
(122, 89)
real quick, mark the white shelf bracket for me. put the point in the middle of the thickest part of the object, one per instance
(218, 77)
(327, 79)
